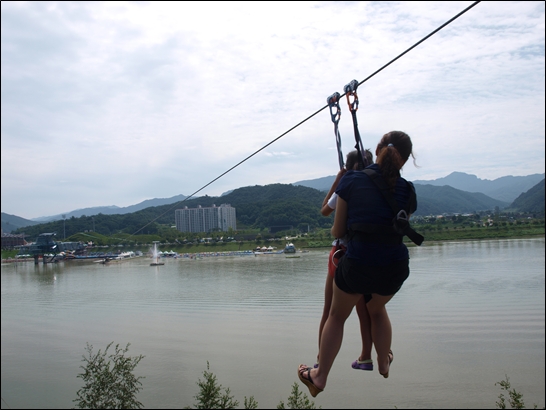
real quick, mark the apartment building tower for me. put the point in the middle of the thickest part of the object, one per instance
(205, 219)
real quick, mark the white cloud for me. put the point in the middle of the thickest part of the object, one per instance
(129, 101)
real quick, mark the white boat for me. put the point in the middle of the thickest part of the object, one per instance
(126, 255)
(290, 248)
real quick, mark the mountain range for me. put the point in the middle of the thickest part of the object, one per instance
(434, 197)
(112, 209)
(504, 189)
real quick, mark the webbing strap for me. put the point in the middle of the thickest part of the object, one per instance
(401, 225)
(333, 102)
(384, 188)
(350, 91)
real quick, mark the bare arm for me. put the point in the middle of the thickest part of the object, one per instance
(326, 210)
(339, 229)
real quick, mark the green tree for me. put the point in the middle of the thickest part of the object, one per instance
(297, 400)
(109, 382)
(210, 394)
(515, 398)
(250, 403)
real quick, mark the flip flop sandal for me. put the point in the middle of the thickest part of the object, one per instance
(314, 390)
(391, 359)
(363, 365)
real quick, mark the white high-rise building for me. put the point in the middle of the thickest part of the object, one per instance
(206, 219)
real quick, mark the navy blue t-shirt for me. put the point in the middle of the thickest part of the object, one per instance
(366, 204)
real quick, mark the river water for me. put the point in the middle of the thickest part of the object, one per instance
(470, 313)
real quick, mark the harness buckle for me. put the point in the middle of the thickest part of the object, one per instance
(401, 222)
(402, 215)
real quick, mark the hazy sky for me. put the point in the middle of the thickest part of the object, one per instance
(114, 103)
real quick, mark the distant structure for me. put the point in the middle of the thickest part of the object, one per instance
(11, 240)
(205, 219)
(46, 245)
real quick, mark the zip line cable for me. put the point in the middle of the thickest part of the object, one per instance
(420, 41)
(229, 170)
(310, 116)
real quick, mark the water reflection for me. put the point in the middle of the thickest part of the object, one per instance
(470, 313)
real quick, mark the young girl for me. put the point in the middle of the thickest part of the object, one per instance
(364, 361)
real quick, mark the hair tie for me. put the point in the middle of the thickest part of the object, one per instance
(390, 145)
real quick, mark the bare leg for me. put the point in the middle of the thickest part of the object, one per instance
(332, 334)
(365, 329)
(328, 290)
(381, 330)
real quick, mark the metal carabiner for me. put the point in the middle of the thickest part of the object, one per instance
(334, 257)
(350, 90)
(333, 101)
(352, 86)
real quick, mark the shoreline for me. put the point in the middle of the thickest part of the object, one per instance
(199, 254)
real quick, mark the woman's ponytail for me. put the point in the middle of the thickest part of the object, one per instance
(392, 153)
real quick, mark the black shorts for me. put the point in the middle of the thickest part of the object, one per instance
(354, 277)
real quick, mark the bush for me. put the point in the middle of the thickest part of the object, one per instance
(515, 398)
(109, 383)
(210, 394)
(297, 400)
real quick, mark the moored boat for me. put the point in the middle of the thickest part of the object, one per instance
(290, 248)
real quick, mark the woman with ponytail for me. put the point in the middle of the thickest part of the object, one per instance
(376, 262)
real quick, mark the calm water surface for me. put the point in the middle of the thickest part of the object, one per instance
(469, 314)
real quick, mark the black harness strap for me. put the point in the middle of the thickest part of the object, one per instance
(333, 102)
(400, 227)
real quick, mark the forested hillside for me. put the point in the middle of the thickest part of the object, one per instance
(278, 204)
(12, 222)
(270, 206)
(531, 201)
(436, 200)
(257, 207)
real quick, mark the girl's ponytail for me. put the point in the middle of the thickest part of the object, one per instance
(392, 153)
